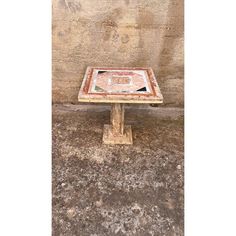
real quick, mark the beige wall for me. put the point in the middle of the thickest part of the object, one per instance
(117, 33)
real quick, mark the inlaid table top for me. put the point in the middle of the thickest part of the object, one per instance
(120, 85)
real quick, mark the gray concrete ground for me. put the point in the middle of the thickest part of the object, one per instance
(117, 190)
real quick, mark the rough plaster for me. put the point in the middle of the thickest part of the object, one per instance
(117, 33)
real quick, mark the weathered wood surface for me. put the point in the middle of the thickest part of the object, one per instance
(117, 33)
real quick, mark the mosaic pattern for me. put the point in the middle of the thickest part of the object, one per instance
(119, 81)
(122, 85)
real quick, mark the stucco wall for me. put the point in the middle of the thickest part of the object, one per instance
(117, 33)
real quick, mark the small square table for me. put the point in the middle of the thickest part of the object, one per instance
(119, 86)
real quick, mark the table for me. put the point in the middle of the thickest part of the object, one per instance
(119, 86)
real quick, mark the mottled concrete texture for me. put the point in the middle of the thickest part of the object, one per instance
(117, 190)
(117, 33)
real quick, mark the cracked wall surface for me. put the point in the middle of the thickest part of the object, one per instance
(117, 33)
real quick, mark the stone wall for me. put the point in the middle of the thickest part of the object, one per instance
(117, 33)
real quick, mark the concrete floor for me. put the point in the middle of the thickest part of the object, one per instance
(117, 190)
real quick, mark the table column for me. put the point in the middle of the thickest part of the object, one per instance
(117, 132)
(117, 118)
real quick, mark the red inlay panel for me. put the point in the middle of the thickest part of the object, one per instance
(120, 83)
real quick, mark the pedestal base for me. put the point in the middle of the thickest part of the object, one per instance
(110, 138)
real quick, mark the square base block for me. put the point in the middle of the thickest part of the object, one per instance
(110, 138)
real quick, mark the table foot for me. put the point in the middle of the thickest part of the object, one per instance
(109, 137)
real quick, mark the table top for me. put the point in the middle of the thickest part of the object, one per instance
(120, 85)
